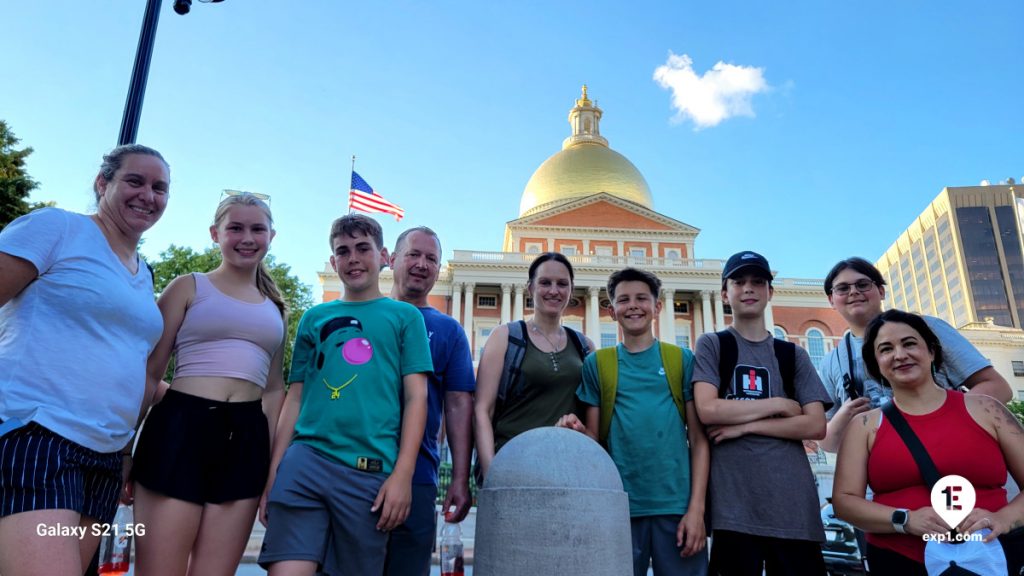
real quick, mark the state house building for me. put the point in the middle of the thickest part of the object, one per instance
(591, 203)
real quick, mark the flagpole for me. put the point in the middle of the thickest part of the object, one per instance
(350, 182)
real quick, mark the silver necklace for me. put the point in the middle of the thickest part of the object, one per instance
(554, 348)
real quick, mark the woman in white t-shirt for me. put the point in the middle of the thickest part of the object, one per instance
(77, 322)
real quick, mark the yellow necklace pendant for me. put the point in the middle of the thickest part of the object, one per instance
(336, 390)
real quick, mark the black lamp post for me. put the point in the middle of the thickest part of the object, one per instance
(140, 72)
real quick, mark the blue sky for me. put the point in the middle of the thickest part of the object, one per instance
(839, 121)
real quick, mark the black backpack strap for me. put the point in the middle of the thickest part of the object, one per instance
(785, 355)
(929, 472)
(579, 341)
(728, 353)
(514, 352)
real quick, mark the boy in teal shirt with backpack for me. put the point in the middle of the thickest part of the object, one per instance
(640, 406)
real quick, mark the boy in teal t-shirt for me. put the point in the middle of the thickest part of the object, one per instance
(663, 461)
(351, 426)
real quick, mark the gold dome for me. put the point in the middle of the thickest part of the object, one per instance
(584, 166)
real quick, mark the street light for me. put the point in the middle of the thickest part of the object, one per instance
(183, 6)
(140, 71)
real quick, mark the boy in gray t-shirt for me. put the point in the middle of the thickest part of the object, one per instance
(764, 505)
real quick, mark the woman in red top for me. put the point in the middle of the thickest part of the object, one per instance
(973, 436)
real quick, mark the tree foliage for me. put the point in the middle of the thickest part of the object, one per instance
(1017, 409)
(177, 261)
(15, 183)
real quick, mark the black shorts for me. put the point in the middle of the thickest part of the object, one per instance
(738, 554)
(42, 470)
(201, 450)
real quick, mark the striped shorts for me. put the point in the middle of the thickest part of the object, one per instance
(41, 470)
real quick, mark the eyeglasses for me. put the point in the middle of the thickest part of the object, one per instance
(862, 287)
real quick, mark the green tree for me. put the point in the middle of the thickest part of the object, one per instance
(1017, 409)
(177, 261)
(15, 183)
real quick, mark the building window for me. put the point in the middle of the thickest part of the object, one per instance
(528, 302)
(673, 254)
(779, 333)
(682, 340)
(1018, 368)
(534, 248)
(609, 334)
(637, 253)
(486, 301)
(482, 334)
(1020, 395)
(568, 250)
(681, 307)
(726, 309)
(815, 346)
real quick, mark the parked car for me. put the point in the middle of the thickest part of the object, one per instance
(842, 555)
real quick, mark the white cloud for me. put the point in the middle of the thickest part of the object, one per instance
(721, 93)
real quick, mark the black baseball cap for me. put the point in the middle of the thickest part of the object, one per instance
(746, 259)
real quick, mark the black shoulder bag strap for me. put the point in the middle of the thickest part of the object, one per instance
(929, 472)
(851, 375)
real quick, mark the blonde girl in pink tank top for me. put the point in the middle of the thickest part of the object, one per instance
(202, 458)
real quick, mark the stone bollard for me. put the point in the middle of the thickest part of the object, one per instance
(552, 505)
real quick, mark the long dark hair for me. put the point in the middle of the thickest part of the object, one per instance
(914, 321)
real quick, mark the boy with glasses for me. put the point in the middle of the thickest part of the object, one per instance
(855, 288)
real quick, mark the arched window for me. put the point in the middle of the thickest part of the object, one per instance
(815, 346)
(779, 333)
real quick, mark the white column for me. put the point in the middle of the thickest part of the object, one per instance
(620, 246)
(667, 328)
(468, 324)
(719, 312)
(457, 301)
(593, 328)
(698, 320)
(769, 319)
(705, 305)
(506, 304)
(586, 247)
(517, 307)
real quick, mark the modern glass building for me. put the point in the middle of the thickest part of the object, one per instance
(962, 259)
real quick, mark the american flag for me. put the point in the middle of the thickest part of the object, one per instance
(362, 197)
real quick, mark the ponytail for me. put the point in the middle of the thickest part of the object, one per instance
(266, 285)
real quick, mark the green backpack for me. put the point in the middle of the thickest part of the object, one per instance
(672, 359)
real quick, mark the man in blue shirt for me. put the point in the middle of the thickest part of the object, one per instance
(416, 262)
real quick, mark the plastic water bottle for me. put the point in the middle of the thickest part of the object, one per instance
(116, 543)
(452, 563)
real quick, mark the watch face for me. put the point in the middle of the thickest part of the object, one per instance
(899, 517)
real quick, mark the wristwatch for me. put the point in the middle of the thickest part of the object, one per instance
(900, 517)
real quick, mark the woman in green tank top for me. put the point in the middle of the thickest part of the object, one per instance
(550, 369)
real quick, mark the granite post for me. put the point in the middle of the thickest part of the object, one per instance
(552, 504)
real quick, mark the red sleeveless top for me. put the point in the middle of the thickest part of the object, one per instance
(956, 443)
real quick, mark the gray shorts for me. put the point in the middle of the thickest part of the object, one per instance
(316, 501)
(654, 544)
